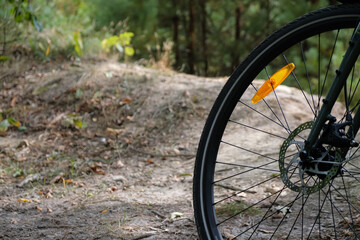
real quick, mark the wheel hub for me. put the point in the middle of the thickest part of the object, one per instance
(307, 173)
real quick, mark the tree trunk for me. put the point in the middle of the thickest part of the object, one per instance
(192, 37)
(203, 40)
(238, 23)
(176, 20)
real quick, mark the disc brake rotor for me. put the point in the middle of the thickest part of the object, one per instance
(293, 174)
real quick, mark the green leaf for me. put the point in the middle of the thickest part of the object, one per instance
(78, 93)
(4, 125)
(22, 128)
(4, 58)
(14, 122)
(97, 94)
(80, 123)
(36, 23)
(129, 51)
(121, 43)
(28, 16)
(78, 45)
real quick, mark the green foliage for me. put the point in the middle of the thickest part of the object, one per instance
(73, 120)
(22, 11)
(80, 28)
(121, 43)
(6, 123)
(78, 45)
(4, 58)
(68, 30)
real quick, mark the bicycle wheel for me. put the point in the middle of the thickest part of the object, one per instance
(248, 179)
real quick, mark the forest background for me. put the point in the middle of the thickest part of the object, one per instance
(95, 148)
(202, 37)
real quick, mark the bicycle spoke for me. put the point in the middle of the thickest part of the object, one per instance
(351, 83)
(328, 67)
(352, 96)
(332, 212)
(247, 166)
(289, 205)
(319, 76)
(237, 174)
(256, 111)
(286, 128)
(339, 212)
(297, 217)
(277, 100)
(347, 198)
(245, 190)
(257, 129)
(307, 76)
(301, 89)
(248, 150)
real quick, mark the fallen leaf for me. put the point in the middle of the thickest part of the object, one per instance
(39, 208)
(283, 210)
(127, 100)
(48, 195)
(113, 131)
(13, 102)
(68, 181)
(56, 179)
(97, 170)
(228, 234)
(49, 210)
(149, 161)
(57, 118)
(128, 228)
(128, 141)
(47, 50)
(118, 164)
(100, 172)
(264, 231)
(176, 215)
(105, 211)
(30, 178)
(23, 143)
(108, 74)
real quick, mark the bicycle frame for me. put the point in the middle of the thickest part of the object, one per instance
(342, 74)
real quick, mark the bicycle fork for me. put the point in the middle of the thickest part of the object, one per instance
(334, 133)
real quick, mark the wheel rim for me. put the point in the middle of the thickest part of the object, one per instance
(230, 198)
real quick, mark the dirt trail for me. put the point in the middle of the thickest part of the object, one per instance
(108, 151)
(126, 175)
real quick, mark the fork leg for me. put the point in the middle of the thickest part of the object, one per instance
(342, 74)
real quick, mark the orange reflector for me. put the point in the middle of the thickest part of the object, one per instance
(273, 82)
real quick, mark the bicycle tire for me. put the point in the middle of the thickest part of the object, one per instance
(331, 20)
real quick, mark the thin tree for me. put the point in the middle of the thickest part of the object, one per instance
(192, 37)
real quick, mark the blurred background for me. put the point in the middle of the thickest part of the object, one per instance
(202, 37)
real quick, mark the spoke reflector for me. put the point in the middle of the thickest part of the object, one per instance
(273, 82)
